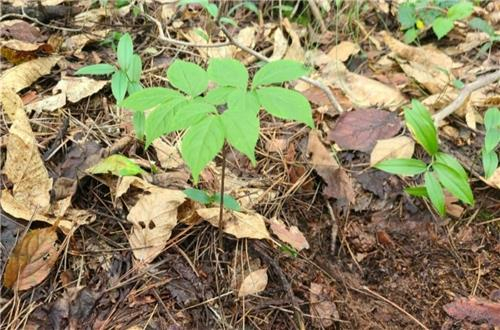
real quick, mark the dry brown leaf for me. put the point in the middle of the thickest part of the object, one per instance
(89, 18)
(77, 88)
(322, 308)
(292, 235)
(23, 166)
(31, 260)
(363, 92)
(153, 218)
(206, 53)
(75, 43)
(23, 75)
(397, 147)
(168, 156)
(280, 45)
(238, 224)
(295, 51)
(321, 158)
(343, 51)
(49, 103)
(20, 30)
(494, 180)
(254, 283)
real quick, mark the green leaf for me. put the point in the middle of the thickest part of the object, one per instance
(212, 9)
(160, 121)
(218, 95)
(242, 131)
(244, 101)
(229, 202)
(286, 104)
(228, 20)
(198, 195)
(191, 113)
(492, 126)
(461, 10)
(435, 192)
(125, 51)
(133, 87)
(139, 122)
(410, 35)
(278, 72)
(97, 69)
(452, 162)
(135, 69)
(188, 77)
(117, 165)
(490, 162)
(228, 72)
(201, 144)
(441, 26)
(402, 166)
(406, 15)
(458, 84)
(119, 84)
(420, 123)
(149, 98)
(417, 191)
(454, 182)
(251, 6)
(481, 25)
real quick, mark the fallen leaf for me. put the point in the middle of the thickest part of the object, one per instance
(238, 224)
(49, 103)
(77, 88)
(292, 235)
(118, 165)
(343, 51)
(31, 260)
(125, 182)
(168, 156)
(361, 129)
(363, 92)
(280, 44)
(295, 51)
(153, 218)
(397, 147)
(254, 283)
(455, 210)
(494, 180)
(340, 186)
(20, 30)
(75, 43)
(322, 308)
(17, 51)
(474, 309)
(23, 75)
(276, 145)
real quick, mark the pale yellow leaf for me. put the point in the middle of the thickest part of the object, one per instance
(343, 51)
(77, 88)
(23, 75)
(397, 147)
(255, 282)
(295, 51)
(49, 103)
(280, 45)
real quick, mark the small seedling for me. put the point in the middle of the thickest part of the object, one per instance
(126, 76)
(415, 16)
(444, 170)
(202, 197)
(491, 141)
(213, 9)
(483, 26)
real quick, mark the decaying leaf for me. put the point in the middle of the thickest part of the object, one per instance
(238, 224)
(361, 129)
(343, 51)
(292, 235)
(295, 51)
(397, 147)
(153, 218)
(20, 30)
(280, 45)
(32, 259)
(255, 282)
(322, 308)
(49, 103)
(363, 92)
(474, 309)
(23, 75)
(77, 88)
(168, 155)
(322, 159)
(76, 42)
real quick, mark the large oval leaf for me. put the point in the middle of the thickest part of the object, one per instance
(228, 72)
(188, 77)
(402, 166)
(159, 121)
(242, 131)
(202, 143)
(435, 192)
(243, 100)
(191, 113)
(119, 83)
(278, 72)
(454, 182)
(452, 162)
(124, 51)
(149, 98)
(286, 104)
(96, 69)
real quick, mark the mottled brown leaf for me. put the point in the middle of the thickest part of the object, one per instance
(360, 129)
(474, 309)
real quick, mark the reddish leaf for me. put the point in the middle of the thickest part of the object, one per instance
(474, 309)
(360, 129)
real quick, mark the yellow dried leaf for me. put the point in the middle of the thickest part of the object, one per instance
(31, 260)
(254, 283)
(77, 88)
(343, 51)
(397, 147)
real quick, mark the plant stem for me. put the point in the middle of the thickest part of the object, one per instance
(221, 206)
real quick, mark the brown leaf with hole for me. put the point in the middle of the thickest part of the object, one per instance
(238, 224)
(31, 260)
(292, 235)
(474, 309)
(153, 217)
(361, 129)
(23, 75)
(253, 283)
(397, 147)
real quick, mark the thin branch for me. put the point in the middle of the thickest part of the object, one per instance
(464, 94)
(23, 15)
(163, 38)
(308, 80)
(317, 15)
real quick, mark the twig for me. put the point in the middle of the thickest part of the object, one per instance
(221, 206)
(308, 80)
(163, 38)
(25, 16)
(317, 15)
(464, 94)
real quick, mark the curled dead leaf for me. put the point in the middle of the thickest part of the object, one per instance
(23, 75)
